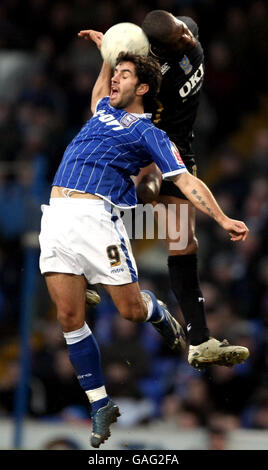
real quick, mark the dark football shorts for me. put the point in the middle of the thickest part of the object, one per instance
(168, 188)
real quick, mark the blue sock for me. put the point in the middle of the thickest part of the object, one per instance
(85, 357)
(157, 311)
(96, 405)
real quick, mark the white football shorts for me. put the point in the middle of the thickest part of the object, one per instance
(86, 237)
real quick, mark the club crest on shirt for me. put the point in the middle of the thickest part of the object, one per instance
(128, 119)
(186, 65)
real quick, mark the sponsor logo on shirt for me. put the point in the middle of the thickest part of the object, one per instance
(108, 119)
(192, 82)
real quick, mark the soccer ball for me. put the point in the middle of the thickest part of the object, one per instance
(127, 37)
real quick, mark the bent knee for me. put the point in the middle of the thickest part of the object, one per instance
(190, 249)
(192, 246)
(69, 318)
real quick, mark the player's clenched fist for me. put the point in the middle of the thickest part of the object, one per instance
(237, 230)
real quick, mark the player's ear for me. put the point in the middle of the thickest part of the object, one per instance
(142, 89)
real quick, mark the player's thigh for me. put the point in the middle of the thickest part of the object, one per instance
(128, 300)
(67, 292)
(179, 213)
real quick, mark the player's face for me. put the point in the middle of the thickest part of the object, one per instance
(123, 85)
(175, 43)
(167, 50)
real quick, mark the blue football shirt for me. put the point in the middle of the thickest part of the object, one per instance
(112, 146)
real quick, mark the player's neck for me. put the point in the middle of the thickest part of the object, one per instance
(136, 108)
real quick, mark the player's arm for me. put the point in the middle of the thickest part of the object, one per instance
(167, 157)
(103, 83)
(199, 194)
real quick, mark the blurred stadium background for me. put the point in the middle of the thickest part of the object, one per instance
(46, 77)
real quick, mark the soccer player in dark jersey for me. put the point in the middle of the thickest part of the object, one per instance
(83, 238)
(174, 43)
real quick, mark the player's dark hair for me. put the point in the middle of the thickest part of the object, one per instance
(147, 70)
(158, 25)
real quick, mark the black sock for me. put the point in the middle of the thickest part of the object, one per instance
(185, 284)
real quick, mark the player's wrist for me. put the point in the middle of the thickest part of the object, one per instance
(222, 219)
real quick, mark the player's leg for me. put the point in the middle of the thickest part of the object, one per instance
(65, 250)
(67, 291)
(184, 277)
(140, 306)
(183, 265)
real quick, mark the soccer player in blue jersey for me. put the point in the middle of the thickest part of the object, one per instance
(82, 236)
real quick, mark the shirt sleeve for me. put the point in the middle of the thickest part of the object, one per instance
(101, 101)
(164, 153)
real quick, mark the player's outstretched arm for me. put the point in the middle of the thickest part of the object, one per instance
(202, 198)
(102, 85)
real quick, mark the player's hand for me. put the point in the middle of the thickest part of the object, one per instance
(91, 35)
(237, 230)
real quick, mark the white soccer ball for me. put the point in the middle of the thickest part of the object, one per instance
(127, 37)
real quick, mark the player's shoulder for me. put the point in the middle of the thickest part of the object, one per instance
(104, 101)
(190, 61)
(197, 50)
(150, 131)
(141, 121)
(128, 120)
